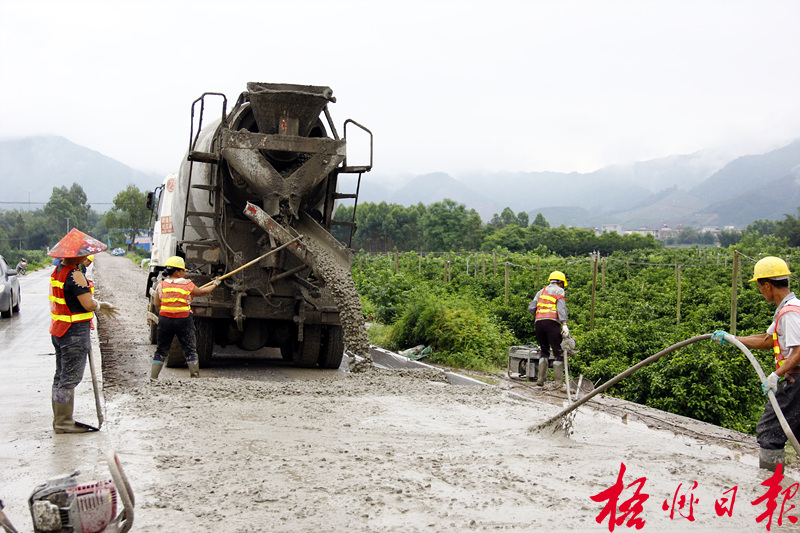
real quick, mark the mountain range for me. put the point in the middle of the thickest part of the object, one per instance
(701, 189)
(33, 166)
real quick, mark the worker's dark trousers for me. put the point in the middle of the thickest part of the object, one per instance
(71, 351)
(548, 335)
(770, 432)
(184, 329)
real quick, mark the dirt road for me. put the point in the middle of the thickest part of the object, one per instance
(388, 450)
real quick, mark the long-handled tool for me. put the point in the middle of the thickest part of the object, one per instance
(616, 379)
(96, 388)
(253, 262)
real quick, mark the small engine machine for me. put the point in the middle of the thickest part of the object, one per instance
(62, 505)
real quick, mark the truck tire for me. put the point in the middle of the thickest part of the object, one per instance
(332, 350)
(204, 332)
(309, 349)
(153, 327)
(175, 357)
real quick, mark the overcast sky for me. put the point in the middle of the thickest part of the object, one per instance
(445, 86)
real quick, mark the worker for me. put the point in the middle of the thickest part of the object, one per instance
(85, 266)
(173, 296)
(783, 337)
(549, 308)
(71, 310)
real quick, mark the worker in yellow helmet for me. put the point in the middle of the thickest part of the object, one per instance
(549, 308)
(173, 297)
(783, 337)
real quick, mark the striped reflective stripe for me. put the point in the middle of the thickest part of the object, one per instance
(176, 289)
(546, 307)
(61, 316)
(178, 297)
(80, 317)
(780, 359)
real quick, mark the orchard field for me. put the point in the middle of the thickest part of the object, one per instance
(624, 307)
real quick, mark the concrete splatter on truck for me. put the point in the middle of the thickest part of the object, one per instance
(252, 180)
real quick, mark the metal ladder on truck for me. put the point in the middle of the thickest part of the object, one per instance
(214, 204)
(346, 169)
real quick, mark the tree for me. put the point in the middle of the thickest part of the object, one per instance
(130, 215)
(448, 225)
(67, 209)
(789, 229)
(761, 227)
(729, 238)
(540, 221)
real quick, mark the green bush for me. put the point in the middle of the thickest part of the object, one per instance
(458, 329)
(470, 324)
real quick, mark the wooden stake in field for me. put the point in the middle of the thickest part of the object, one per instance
(678, 275)
(594, 288)
(734, 289)
(508, 276)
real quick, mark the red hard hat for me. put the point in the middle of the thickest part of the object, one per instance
(76, 244)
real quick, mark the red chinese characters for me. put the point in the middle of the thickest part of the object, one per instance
(682, 502)
(773, 484)
(629, 509)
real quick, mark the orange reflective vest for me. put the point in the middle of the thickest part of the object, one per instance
(175, 298)
(62, 317)
(780, 357)
(546, 307)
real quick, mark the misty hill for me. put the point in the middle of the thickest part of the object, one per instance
(749, 173)
(32, 166)
(700, 189)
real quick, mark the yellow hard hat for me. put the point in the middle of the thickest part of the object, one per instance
(90, 258)
(770, 267)
(559, 276)
(176, 261)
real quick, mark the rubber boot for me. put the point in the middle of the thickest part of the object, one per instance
(155, 370)
(558, 373)
(541, 376)
(769, 459)
(62, 415)
(194, 370)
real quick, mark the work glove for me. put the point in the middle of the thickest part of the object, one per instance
(718, 336)
(771, 384)
(107, 310)
(564, 330)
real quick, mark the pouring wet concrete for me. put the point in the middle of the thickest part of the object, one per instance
(381, 450)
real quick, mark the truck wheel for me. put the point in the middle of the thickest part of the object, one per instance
(204, 331)
(332, 350)
(153, 326)
(309, 349)
(175, 357)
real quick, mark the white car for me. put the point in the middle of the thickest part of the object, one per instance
(9, 290)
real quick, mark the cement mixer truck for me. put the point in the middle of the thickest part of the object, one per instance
(263, 178)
